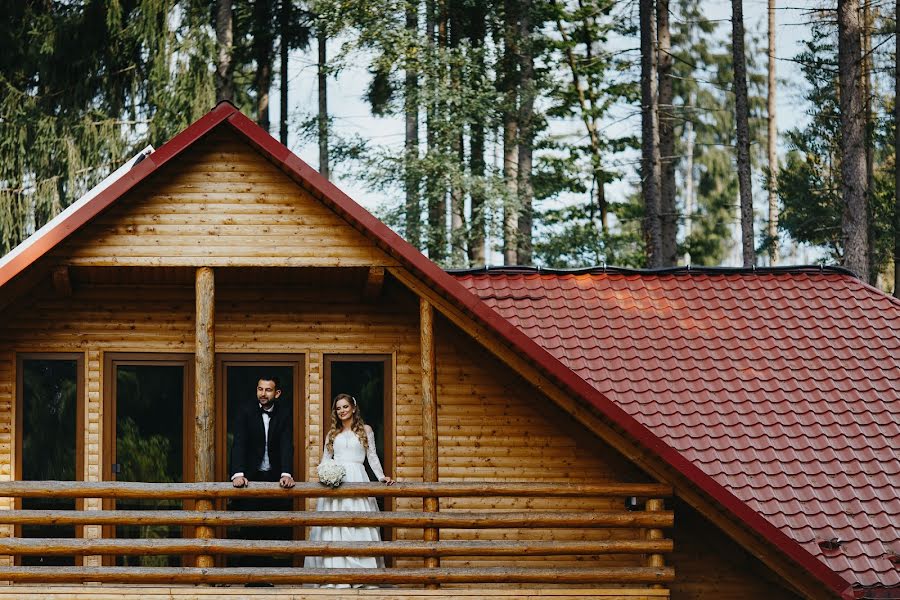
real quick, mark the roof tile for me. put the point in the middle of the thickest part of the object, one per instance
(782, 386)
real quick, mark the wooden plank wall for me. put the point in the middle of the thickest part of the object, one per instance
(220, 204)
(709, 565)
(7, 437)
(493, 426)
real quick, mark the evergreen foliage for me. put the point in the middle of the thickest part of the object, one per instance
(809, 180)
(85, 84)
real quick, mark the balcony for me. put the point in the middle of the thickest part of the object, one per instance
(625, 562)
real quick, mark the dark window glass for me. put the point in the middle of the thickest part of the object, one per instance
(241, 383)
(149, 440)
(49, 426)
(364, 381)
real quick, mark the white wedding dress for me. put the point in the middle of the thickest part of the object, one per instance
(349, 452)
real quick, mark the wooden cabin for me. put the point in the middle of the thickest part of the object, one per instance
(134, 325)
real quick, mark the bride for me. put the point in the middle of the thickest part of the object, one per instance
(349, 442)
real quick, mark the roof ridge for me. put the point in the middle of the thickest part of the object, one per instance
(686, 270)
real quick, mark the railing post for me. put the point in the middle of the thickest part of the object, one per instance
(429, 423)
(204, 403)
(655, 560)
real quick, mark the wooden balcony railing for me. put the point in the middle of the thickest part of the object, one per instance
(648, 538)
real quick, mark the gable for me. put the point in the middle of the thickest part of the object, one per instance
(220, 204)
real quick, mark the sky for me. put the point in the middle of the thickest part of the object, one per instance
(351, 114)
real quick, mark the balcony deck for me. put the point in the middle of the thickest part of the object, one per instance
(520, 567)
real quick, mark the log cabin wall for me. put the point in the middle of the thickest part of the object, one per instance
(222, 204)
(495, 427)
(708, 564)
(7, 434)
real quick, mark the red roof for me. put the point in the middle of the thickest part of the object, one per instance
(441, 282)
(783, 385)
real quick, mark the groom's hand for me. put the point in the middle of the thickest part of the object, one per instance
(239, 482)
(286, 481)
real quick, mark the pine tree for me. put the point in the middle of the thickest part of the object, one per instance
(809, 185)
(82, 87)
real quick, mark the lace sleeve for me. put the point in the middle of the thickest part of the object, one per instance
(326, 454)
(372, 455)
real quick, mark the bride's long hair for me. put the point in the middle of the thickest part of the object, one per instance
(357, 425)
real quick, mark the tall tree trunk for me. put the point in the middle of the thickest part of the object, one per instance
(285, 50)
(526, 134)
(869, 93)
(855, 227)
(897, 155)
(742, 118)
(477, 32)
(456, 125)
(771, 144)
(435, 188)
(650, 160)
(667, 210)
(263, 42)
(322, 117)
(510, 133)
(688, 179)
(224, 48)
(411, 108)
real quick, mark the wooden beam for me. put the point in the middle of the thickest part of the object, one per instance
(62, 283)
(310, 489)
(430, 504)
(321, 576)
(794, 574)
(374, 284)
(74, 546)
(655, 559)
(410, 519)
(205, 389)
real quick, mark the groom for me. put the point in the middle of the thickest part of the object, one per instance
(263, 447)
(263, 450)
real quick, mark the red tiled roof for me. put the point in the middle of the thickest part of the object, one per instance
(784, 386)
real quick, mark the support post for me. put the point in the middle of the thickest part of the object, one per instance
(204, 403)
(429, 422)
(655, 560)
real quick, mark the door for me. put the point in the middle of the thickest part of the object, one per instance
(237, 377)
(148, 403)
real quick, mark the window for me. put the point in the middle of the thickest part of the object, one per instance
(368, 379)
(49, 445)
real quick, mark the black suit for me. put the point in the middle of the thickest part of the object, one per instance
(250, 441)
(247, 451)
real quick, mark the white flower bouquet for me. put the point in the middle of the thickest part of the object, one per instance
(331, 473)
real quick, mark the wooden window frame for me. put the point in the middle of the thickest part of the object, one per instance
(388, 360)
(80, 425)
(111, 360)
(295, 361)
(80, 378)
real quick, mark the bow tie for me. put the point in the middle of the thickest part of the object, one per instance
(263, 411)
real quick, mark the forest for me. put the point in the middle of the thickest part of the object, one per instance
(555, 133)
